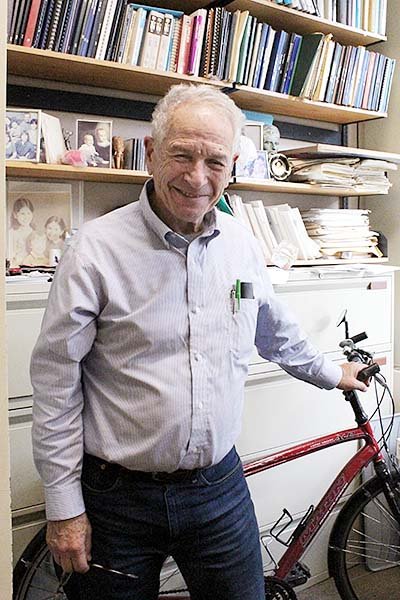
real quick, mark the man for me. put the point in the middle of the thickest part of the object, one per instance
(140, 367)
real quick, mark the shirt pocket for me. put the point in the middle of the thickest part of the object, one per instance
(243, 329)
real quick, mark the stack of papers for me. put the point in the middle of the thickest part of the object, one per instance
(342, 233)
(358, 174)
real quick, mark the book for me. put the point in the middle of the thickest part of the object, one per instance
(176, 39)
(290, 65)
(308, 48)
(184, 48)
(151, 40)
(57, 13)
(69, 26)
(238, 34)
(255, 225)
(276, 61)
(24, 21)
(31, 23)
(64, 16)
(128, 17)
(105, 29)
(254, 55)
(250, 51)
(136, 36)
(80, 17)
(46, 24)
(18, 33)
(207, 44)
(334, 73)
(115, 31)
(223, 45)
(96, 29)
(196, 42)
(165, 42)
(231, 34)
(260, 60)
(314, 72)
(87, 27)
(322, 77)
(244, 49)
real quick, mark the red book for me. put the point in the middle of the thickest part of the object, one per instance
(184, 47)
(31, 23)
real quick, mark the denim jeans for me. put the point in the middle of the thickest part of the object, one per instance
(207, 524)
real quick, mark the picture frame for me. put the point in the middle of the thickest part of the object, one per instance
(94, 140)
(255, 131)
(22, 132)
(53, 138)
(256, 167)
(39, 218)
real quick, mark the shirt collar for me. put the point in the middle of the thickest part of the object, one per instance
(165, 233)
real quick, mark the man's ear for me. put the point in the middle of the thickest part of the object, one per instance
(149, 151)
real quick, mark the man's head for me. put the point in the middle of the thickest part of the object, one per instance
(194, 143)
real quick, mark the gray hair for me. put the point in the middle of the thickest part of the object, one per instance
(196, 94)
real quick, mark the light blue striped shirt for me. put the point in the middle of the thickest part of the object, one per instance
(141, 359)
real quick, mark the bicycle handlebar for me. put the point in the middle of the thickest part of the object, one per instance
(354, 354)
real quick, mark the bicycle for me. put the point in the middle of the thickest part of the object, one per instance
(361, 557)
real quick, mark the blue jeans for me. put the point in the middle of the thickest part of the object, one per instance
(207, 524)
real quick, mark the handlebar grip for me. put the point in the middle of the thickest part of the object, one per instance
(359, 337)
(368, 372)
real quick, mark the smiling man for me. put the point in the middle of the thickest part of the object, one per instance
(139, 374)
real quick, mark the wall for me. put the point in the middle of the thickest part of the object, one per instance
(383, 134)
(5, 525)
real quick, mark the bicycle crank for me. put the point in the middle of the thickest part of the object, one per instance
(276, 589)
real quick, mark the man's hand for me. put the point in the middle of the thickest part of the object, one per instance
(349, 379)
(70, 543)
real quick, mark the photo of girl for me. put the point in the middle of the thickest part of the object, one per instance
(55, 230)
(20, 228)
(37, 254)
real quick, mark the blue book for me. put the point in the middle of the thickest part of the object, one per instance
(334, 73)
(249, 54)
(260, 54)
(349, 74)
(277, 61)
(378, 81)
(360, 84)
(80, 17)
(378, 59)
(87, 28)
(290, 64)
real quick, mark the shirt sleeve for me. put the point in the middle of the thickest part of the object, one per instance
(67, 334)
(280, 339)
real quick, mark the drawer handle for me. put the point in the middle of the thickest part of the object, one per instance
(377, 285)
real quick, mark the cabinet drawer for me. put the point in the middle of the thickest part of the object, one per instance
(23, 326)
(23, 533)
(318, 306)
(26, 487)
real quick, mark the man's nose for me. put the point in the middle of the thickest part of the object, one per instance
(197, 173)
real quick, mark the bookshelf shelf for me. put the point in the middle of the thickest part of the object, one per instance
(16, 168)
(282, 17)
(56, 66)
(19, 169)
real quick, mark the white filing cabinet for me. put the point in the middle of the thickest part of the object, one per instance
(26, 301)
(279, 410)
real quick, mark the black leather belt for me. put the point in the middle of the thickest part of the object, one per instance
(160, 476)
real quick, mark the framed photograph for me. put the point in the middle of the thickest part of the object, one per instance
(94, 141)
(54, 143)
(256, 167)
(23, 129)
(255, 130)
(39, 216)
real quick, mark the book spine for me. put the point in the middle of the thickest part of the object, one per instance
(115, 32)
(184, 47)
(78, 26)
(165, 42)
(54, 25)
(31, 23)
(24, 22)
(173, 61)
(41, 23)
(151, 40)
(194, 44)
(105, 30)
(95, 33)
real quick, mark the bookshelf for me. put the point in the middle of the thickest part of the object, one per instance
(60, 67)
(56, 66)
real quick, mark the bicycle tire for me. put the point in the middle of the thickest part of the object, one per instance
(364, 545)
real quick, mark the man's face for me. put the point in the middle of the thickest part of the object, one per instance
(192, 167)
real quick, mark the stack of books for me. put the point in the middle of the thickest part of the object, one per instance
(342, 233)
(369, 15)
(272, 225)
(134, 155)
(212, 43)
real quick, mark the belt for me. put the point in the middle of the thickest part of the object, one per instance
(156, 476)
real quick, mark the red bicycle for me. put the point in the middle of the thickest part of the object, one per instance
(364, 545)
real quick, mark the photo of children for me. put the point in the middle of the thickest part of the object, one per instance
(39, 217)
(94, 141)
(22, 134)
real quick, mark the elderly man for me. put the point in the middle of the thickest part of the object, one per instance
(140, 367)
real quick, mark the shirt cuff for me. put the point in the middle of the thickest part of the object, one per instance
(64, 502)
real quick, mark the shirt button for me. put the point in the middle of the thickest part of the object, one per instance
(200, 405)
(196, 310)
(197, 357)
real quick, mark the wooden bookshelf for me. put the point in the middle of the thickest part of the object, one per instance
(56, 66)
(283, 17)
(28, 170)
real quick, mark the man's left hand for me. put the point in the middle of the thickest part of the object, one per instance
(349, 379)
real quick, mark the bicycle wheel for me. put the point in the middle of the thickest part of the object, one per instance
(34, 577)
(364, 547)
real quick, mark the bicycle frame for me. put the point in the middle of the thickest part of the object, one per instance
(314, 521)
